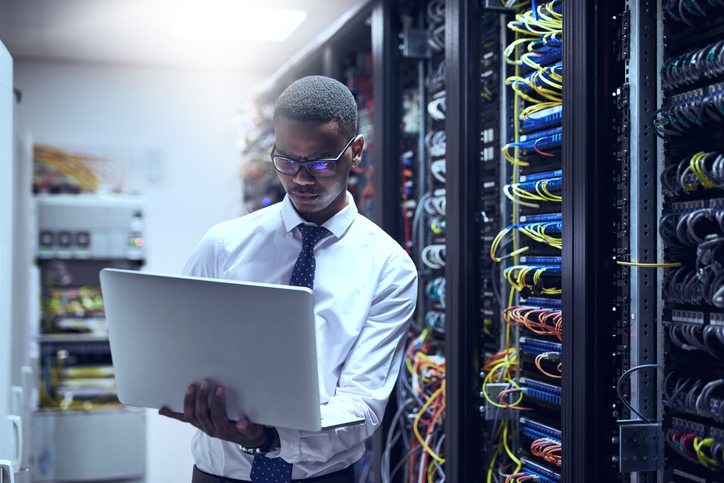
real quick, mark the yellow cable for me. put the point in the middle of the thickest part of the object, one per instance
(507, 450)
(417, 420)
(653, 265)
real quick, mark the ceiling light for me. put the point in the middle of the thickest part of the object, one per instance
(234, 20)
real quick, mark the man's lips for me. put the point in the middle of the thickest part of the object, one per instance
(304, 197)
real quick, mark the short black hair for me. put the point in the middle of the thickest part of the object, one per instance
(319, 99)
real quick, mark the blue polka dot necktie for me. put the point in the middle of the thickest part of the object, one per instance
(275, 470)
(303, 274)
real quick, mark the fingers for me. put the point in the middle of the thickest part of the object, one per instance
(190, 407)
(213, 421)
(170, 414)
(224, 427)
(202, 409)
(243, 431)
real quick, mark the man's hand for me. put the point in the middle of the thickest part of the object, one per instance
(214, 422)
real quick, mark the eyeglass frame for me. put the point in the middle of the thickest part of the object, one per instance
(305, 164)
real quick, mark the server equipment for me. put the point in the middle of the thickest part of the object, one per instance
(81, 432)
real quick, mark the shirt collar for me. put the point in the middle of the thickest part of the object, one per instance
(337, 225)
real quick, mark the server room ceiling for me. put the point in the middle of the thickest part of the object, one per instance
(138, 32)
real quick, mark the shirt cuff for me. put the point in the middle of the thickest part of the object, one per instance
(289, 444)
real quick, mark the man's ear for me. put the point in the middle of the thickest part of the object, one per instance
(357, 147)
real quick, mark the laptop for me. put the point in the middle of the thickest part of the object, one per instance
(255, 339)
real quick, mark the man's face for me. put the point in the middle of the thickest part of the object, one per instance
(316, 199)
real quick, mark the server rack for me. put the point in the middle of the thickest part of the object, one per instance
(632, 334)
(78, 235)
(691, 197)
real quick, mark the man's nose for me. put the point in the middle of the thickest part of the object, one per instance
(303, 177)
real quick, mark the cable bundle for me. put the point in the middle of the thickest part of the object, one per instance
(538, 320)
(540, 231)
(705, 451)
(701, 170)
(435, 205)
(701, 284)
(548, 449)
(436, 320)
(436, 108)
(690, 11)
(690, 337)
(434, 256)
(53, 164)
(688, 110)
(539, 190)
(437, 225)
(689, 67)
(500, 368)
(696, 398)
(682, 286)
(436, 290)
(516, 276)
(435, 80)
(435, 142)
(689, 230)
(436, 25)
(421, 396)
(438, 168)
(545, 81)
(549, 356)
(521, 478)
(542, 31)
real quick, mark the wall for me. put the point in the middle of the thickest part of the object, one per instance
(187, 118)
(6, 247)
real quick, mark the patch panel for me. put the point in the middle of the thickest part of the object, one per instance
(541, 134)
(687, 206)
(549, 228)
(547, 118)
(540, 345)
(541, 390)
(541, 260)
(690, 426)
(544, 474)
(536, 176)
(541, 302)
(549, 142)
(541, 428)
(544, 55)
(550, 270)
(690, 477)
(535, 434)
(541, 217)
(551, 184)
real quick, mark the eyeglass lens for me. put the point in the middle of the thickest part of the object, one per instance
(316, 168)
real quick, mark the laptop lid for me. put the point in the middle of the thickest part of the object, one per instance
(257, 340)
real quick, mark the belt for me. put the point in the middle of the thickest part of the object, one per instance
(344, 476)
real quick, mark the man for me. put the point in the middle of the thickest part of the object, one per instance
(364, 289)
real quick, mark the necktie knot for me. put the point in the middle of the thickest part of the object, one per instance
(311, 234)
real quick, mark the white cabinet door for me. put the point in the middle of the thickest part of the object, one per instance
(10, 427)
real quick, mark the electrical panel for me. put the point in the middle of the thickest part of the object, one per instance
(78, 236)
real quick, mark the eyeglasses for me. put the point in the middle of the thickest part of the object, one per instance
(319, 168)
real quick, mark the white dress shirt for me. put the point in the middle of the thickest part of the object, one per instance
(365, 290)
